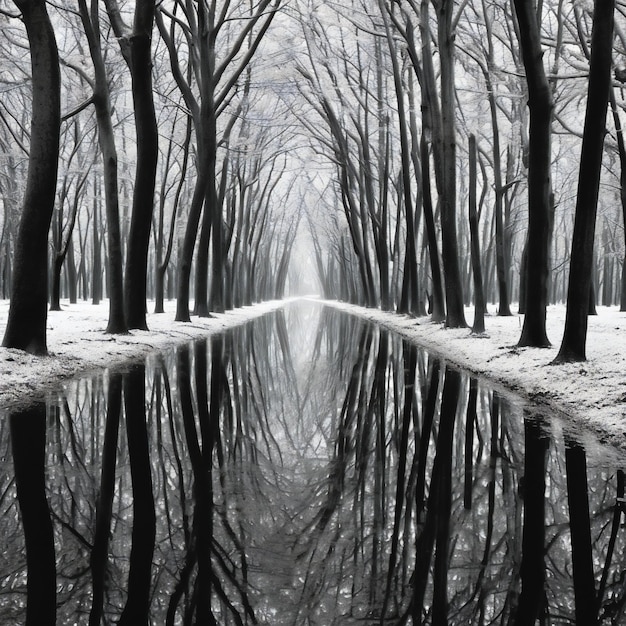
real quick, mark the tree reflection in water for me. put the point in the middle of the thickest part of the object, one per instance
(307, 468)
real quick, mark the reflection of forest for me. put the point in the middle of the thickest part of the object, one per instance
(275, 476)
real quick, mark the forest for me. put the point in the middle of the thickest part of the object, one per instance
(412, 159)
(414, 156)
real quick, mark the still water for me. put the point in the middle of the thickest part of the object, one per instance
(306, 468)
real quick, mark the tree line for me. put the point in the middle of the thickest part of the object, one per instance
(148, 116)
(455, 130)
(430, 151)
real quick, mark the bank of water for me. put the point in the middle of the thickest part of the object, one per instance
(305, 468)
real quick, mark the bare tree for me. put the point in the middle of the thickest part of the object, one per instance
(218, 45)
(455, 314)
(539, 180)
(101, 99)
(580, 274)
(26, 325)
(136, 47)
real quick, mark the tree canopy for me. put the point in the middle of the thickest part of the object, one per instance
(227, 152)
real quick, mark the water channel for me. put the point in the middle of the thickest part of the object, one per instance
(307, 468)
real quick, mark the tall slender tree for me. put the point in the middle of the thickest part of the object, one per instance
(539, 178)
(216, 69)
(455, 314)
(581, 264)
(136, 47)
(101, 99)
(26, 325)
(478, 326)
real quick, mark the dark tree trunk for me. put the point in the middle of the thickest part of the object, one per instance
(455, 313)
(479, 294)
(621, 150)
(115, 285)
(591, 310)
(438, 308)
(162, 263)
(581, 260)
(430, 126)
(410, 286)
(523, 279)
(56, 230)
(72, 275)
(201, 285)
(61, 247)
(26, 324)
(502, 253)
(189, 242)
(539, 181)
(139, 60)
(96, 270)
(28, 444)
(386, 301)
(55, 288)
(106, 138)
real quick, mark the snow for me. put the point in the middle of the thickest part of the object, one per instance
(590, 396)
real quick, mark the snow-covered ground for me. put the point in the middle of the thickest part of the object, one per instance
(591, 395)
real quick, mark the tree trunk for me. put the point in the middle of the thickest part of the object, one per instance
(621, 151)
(502, 252)
(117, 322)
(26, 324)
(539, 180)
(479, 295)
(72, 275)
(189, 242)
(455, 313)
(581, 261)
(61, 248)
(201, 285)
(410, 286)
(55, 289)
(106, 138)
(163, 257)
(140, 64)
(438, 308)
(96, 270)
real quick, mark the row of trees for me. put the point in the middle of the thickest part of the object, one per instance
(202, 177)
(373, 124)
(483, 177)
